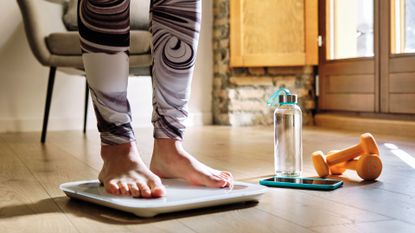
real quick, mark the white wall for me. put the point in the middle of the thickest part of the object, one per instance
(23, 83)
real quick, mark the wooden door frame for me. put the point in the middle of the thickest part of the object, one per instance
(367, 62)
(384, 53)
(377, 36)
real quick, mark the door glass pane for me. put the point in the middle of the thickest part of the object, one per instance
(403, 26)
(349, 29)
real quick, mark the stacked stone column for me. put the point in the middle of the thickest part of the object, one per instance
(240, 94)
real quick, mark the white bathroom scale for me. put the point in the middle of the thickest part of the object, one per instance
(180, 196)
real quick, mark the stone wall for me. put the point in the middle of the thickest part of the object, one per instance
(240, 94)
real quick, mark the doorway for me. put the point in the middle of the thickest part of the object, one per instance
(367, 56)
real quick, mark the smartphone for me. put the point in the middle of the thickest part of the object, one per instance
(302, 183)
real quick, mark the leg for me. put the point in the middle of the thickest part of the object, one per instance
(51, 81)
(104, 28)
(175, 26)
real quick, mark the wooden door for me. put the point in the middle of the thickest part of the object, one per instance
(377, 75)
(347, 64)
(397, 56)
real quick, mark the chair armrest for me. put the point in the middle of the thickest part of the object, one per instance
(41, 18)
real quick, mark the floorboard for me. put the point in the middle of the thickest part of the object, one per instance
(30, 173)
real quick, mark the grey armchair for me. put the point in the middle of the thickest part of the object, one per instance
(56, 47)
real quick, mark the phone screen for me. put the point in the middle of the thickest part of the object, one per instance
(302, 181)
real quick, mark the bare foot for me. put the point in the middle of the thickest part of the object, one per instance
(124, 172)
(170, 160)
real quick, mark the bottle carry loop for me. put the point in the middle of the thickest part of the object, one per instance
(282, 99)
(274, 97)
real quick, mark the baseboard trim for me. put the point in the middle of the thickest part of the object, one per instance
(405, 128)
(9, 125)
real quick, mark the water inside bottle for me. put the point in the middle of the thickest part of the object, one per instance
(287, 139)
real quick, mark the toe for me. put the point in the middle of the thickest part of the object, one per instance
(228, 177)
(156, 187)
(212, 178)
(214, 181)
(134, 190)
(224, 180)
(144, 190)
(227, 174)
(112, 187)
(124, 188)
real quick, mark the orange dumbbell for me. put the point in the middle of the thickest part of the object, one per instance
(336, 169)
(320, 164)
(368, 166)
(367, 145)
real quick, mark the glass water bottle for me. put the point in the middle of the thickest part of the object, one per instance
(288, 150)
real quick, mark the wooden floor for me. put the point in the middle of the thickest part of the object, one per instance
(30, 173)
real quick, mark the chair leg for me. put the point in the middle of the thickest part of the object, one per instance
(52, 73)
(86, 104)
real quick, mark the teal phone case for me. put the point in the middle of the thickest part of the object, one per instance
(303, 186)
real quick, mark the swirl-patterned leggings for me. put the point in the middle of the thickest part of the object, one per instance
(104, 28)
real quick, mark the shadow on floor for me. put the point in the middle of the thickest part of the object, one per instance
(104, 214)
(356, 183)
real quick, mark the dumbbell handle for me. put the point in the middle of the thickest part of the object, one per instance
(351, 164)
(344, 155)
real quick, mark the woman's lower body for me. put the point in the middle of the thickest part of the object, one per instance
(104, 27)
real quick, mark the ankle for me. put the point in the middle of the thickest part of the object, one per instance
(168, 144)
(118, 150)
(166, 141)
(170, 152)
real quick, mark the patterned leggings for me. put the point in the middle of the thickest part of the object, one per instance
(104, 28)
